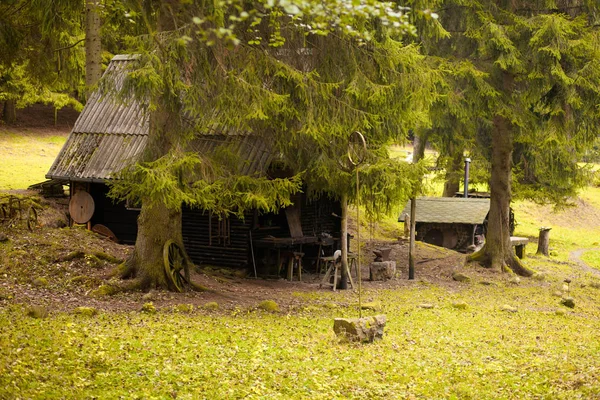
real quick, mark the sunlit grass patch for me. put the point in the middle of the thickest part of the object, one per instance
(444, 352)
(26, 157)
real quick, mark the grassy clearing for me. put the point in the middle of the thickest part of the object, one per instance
(27, 156)
(479, 352)
(572, 228)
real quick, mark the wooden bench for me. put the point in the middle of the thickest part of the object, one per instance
(519, 244)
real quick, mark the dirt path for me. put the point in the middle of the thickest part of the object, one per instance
(575, 257)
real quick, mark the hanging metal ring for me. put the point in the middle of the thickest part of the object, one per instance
(357, 148)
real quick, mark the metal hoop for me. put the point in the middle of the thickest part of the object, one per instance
(358, 146)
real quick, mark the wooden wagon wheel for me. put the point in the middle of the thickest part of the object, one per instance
(32, 218)
(4, 212)
(176, 267)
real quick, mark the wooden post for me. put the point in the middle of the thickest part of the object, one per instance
(411, 246)
(407, 225)
(544, 241)
(344, 234)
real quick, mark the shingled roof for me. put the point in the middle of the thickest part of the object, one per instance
(449, 210)
(111, 134)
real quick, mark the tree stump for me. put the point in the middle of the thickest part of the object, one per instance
(543, 241)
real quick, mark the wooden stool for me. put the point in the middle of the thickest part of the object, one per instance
(334, 268)
(295, 261)
(352, 262)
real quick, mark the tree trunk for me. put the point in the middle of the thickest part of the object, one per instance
(544, 242)
(9, 114)
(453, 173)
(93, 45)
(411, 243)
(156, 225)
(344, 238)
(497, 251)
(419, 147)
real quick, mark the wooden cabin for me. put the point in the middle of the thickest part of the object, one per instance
(451, 222)
(110, 135)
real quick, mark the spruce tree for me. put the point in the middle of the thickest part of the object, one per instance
(299, 76)
(523, 80)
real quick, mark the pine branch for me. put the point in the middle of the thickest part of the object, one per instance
(70, 46)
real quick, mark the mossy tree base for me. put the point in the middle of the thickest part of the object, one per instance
(508, 263)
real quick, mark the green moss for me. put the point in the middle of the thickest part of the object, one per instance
(183, 308)
(459, 277)
(104, 290)
(86, 311)
(107, 257)
(148, 308)
(211, 305)
(93, 261)
(74, 255)
(268, 305)
(37, 312)
(40, 282)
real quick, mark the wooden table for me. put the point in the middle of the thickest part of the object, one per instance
(279, 243)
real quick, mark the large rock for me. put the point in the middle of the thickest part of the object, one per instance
(382, 270)
(365, 329)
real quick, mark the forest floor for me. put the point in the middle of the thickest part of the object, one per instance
(493, 336)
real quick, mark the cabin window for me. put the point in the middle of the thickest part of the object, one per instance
(219, 231)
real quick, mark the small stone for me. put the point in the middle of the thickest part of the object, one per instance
(382, 270)
(427, 306)
(509, 308)
(373, 305)
(460, 305)
(148, 308)
(539, 276)
(568, 302)
(487, 283)
(515, 280)
(87, 311)
(40, 282)
(557, 293)
(211, 305)
(268, 305)
(365, 330)
(3, 237)
(150, 296)
(560, 312)
(553, 253)
(459, 277)
(37, 312)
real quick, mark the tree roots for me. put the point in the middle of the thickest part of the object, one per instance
(510, 263)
